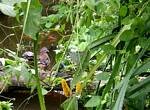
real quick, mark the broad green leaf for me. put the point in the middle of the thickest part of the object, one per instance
(127, 20)
(32, 18)
(102, 76)
(123, 11)
(93, 102)
(127, 35)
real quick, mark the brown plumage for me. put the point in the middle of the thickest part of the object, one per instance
(44, 60)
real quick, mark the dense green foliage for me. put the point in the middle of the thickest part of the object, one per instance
(105, 45)
(108, 37)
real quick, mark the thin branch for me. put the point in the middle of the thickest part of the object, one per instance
(9, 26)
(6, 38)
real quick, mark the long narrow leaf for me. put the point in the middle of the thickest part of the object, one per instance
(143, 68)
(140, 88)
(120, 99)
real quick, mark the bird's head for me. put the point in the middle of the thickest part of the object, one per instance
(44, 50)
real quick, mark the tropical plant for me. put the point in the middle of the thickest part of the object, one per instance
(114, 34)
(5, 105)
(105, 46)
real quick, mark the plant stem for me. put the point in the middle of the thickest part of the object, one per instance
(39, 90)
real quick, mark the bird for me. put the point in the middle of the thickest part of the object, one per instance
(44, 59)
(28, 55)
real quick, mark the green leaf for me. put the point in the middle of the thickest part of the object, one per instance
(119, 103)
(139, 89)
(44, 91)
(127, 35)
(100, 7)
(93, 102)
(115, 3)
(102, 76)
(112, 77)
(143, 68)
(70, 104)
(100, 42)
(123, 11)
(143, 41)
(108, 49)
(25, 73)
(81, 66)
(82, 46)
(10, 62)
(130, 61)
(32, 18)
(90, 4)
(48, 24)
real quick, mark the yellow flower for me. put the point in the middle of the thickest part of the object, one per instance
(65, 87)
(78, 88)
